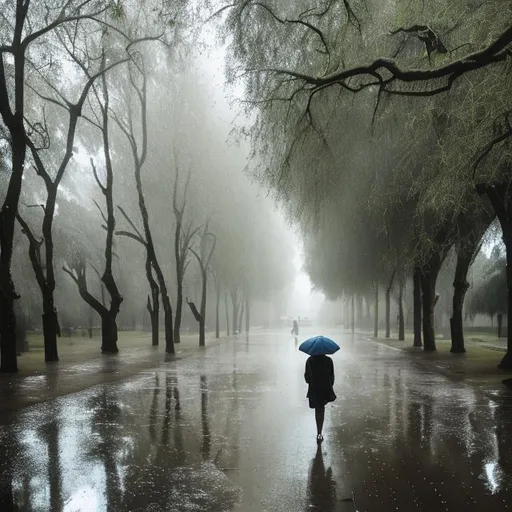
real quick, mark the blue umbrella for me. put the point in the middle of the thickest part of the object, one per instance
(318, 345)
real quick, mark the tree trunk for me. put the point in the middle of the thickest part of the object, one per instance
(8, 295)
(169, 341)
(227, 313)
(376, 312)
(155, 326)
(352, 315)
(91, 317)
(153, 303)
(460, 287)
(202, 333)
(217, 309)
(115, 304)
(108, 334)
(50, 332)
(234, 319)
(499, 196)
(428, 285)
(360, 312)
(179, 306)
(401, 322)
(241, 316)
(9, 361)
(247, 315)
(153, 307)
(417, 307)
(506, 362)
(388, 304)
(388, 312)
(202, 321)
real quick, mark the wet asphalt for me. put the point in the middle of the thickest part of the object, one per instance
(229, 429)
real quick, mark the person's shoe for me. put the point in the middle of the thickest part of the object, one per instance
(319, 438)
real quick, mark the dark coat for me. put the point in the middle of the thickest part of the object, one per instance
(319, 375)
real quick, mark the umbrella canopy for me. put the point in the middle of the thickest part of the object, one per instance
(318, 345)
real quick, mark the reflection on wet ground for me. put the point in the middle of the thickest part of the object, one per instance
(229, 429)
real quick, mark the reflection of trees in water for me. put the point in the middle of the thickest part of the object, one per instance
(498, 469)
(228, 454)
(107, 442)
(20, 464)
(206, 438)
(8, 449)
(50, 432)
(166, 423)
(443, 432)
(162, 465)
(321, 494)
(165, 475)
(172, 391)
(154, 409)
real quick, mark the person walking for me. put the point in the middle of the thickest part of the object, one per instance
(319, 375)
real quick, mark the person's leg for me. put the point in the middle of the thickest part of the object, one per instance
(319, 417)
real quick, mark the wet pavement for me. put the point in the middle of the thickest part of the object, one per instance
(229, 429)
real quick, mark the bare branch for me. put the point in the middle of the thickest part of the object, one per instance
(177, 210)
(95, 270)
(497, 51)
(220, 11)
(197, 257)
(47, 98)
(59, 21)
(190, 234)
(35, 206)
(489, 148)
(101, 212)
(137, 238)
(212, 249)
(27, 231)
(71, 274)
(125, 215)
(352, 18)
(39, 165)
(96, 177)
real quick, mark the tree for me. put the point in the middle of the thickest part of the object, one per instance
(21, 36)
(490, 294)
(216, 283)
(138, 144)
(183, 235)
(78, 265)
(295, 107)
(203, 258)
(44, 268)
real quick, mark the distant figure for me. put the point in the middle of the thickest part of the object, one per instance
(319, 374)
(295, 328)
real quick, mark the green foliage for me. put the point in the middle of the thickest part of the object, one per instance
(117, 10)
(490, 295)
(376, 181)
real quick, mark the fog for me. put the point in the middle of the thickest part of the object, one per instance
(255, 255)
(158, 136)
(184, 169)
